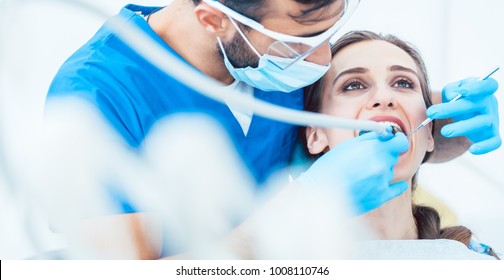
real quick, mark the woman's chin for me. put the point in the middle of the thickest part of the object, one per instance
(402, 173)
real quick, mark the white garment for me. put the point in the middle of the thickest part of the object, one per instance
(242, 115)
(438, 249)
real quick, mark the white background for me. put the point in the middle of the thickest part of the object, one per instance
(457, 39)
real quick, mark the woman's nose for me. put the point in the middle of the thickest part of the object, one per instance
(321, 56)
(382, 100)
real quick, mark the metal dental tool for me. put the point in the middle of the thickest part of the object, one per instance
(428, 120)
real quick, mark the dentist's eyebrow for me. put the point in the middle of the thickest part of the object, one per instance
(356, 70)
(405, 69)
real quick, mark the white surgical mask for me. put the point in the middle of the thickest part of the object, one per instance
(269, 77)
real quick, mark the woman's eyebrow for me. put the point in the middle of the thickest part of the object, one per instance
(356, 70)
(405, 69)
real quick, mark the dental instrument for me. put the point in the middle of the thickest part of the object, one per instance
(428, 120)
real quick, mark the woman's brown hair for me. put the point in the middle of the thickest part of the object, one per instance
(427, 219)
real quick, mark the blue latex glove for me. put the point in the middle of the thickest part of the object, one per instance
(364, 166)
(475, 115)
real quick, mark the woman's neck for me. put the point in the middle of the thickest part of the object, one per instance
(393, 220)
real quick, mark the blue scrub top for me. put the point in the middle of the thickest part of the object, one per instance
(133, 95)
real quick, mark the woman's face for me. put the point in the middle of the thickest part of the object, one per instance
(375, 80)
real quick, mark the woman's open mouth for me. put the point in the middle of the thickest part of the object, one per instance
(396, 124)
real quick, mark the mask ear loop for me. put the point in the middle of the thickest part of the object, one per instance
(222, 47)
(244, 37)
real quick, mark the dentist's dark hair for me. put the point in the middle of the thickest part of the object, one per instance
(256, 9)
(427, 219)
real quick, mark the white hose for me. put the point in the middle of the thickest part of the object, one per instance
(173, 66)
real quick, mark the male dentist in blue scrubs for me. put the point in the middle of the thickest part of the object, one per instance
(241, 43)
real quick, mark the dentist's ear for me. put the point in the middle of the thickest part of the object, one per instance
(214, 21)
(316, 140)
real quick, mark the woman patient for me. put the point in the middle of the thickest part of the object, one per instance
(382, 78)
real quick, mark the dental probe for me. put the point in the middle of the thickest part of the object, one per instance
(428, 120)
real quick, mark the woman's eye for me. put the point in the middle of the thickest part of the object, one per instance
(403, 83)
(353, 85)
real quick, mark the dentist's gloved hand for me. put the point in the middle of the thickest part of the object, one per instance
(364, 166)
(475, 115)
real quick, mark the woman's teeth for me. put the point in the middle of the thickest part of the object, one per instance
(395, 128)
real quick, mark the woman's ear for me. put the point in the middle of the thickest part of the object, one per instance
(430, 140)
(316, 140)
(214, 21)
